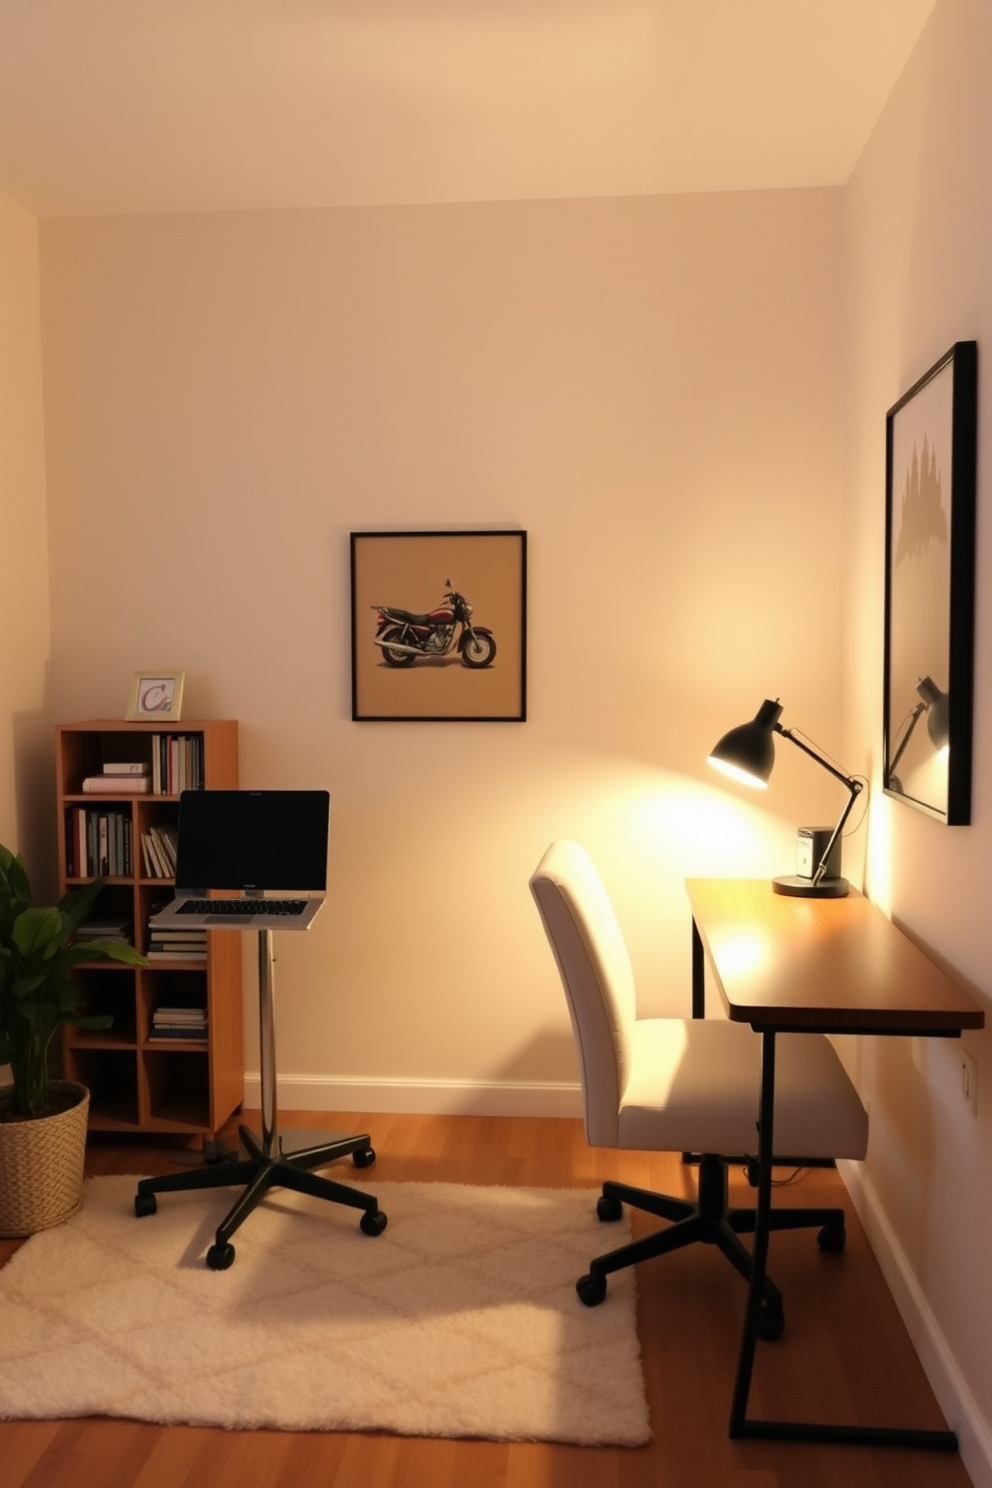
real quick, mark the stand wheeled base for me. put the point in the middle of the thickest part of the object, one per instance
(259, 1172)
(267, 1164)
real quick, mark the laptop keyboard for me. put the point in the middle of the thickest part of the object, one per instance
(228, 907)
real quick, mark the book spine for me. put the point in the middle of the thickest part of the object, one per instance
(71, 841)
(149, 846)
(116, 785)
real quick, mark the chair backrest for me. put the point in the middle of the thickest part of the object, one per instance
(597, 976)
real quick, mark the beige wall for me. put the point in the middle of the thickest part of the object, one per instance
(919, 247)
(650, 388)
(659, 392)
(26, 792)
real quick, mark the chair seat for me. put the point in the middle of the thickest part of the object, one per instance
(693, 1085)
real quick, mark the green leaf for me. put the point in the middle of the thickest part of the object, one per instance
(38, 933)
(38, 995)
(23, 987)
(76, 905)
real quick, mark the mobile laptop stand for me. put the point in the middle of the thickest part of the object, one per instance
(267, 1165)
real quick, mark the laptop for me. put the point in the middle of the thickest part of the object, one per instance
(264, 852)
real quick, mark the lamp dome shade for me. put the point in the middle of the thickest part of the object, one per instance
(747, 753)
(938, 720)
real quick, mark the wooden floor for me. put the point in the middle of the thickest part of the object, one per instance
(845, 1354)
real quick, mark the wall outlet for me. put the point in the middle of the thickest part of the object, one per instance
(969, 1080)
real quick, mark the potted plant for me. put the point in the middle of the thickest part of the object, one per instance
(42, 1120)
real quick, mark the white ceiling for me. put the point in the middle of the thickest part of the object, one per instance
(126, 106)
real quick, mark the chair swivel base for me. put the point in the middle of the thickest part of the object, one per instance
(709, 1219)
(261, 1171)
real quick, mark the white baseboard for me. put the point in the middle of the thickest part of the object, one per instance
(949, 1385)
(421, 1097)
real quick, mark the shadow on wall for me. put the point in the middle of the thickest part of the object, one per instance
(34, 786)
(542, 1079)
(903, 1099)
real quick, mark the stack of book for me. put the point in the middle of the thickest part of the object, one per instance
(158, 852)
(120, 778)
(176, 945)
(179, 1023)
(109, 927)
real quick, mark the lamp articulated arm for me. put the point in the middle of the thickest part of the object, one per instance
(914, 719)
(855, 787)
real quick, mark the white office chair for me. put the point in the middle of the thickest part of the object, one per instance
(683, 1085)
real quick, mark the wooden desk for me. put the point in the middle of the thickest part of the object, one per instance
(787, 964)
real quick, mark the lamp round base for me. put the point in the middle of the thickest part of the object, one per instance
(805, 888)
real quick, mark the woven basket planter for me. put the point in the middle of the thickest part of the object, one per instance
(41, 1167)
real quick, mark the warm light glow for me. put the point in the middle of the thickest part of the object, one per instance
(744, 952)
(737, 774)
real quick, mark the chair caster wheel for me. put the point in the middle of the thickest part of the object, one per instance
(363, 1159)
(373, 1223)
(771, 1323)
(832, 1238)
(591, 1290)
(609, 1210)
(220, 1257)
(144, 1204)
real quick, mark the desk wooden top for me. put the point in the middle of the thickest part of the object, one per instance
(838, 965)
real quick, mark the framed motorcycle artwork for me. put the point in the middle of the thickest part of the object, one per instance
(439, 626)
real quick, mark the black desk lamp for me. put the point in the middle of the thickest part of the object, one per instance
(934, 704)
(747, 754)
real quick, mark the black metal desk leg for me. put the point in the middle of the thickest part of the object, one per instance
(759, 1252)
(740, 1426)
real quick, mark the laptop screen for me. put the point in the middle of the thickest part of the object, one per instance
(253, 840)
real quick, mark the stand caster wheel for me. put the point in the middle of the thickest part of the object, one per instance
(591, 1290)
(373, 1223)
(771, 1323)
(609, 1210)
(144, 1204)
(363, 1159)
(220, 1257)
(832, 1238)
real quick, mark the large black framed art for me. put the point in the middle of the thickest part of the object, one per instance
(931, 436)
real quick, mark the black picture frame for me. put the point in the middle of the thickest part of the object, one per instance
(413, 571)
(930, 487)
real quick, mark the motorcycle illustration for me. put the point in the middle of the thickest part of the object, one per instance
(404, 635)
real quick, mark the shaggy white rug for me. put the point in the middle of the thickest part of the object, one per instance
(461, 1319)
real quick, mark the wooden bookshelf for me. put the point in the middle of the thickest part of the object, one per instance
(137, 1082)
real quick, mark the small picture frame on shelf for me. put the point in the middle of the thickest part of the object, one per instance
(156, 697)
